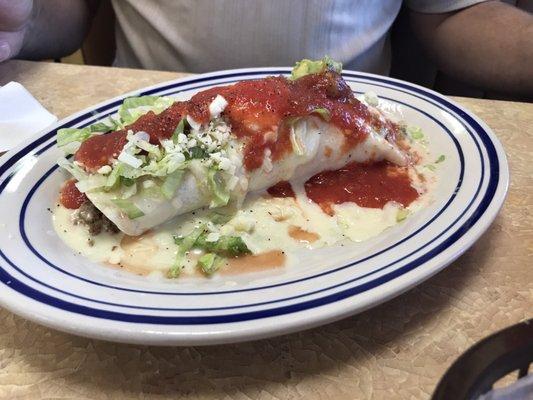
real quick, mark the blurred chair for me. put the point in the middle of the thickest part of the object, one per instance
(482, 366)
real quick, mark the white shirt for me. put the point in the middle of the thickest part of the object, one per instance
(207, 35)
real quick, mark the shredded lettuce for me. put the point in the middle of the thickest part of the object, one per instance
(296, 143)
(307, 67)
(323, 113)
(179, 129)
(128, 190)
(130, 209)
(227, 246)
(70, 139)
(209, 263)
(291, 121)
(133, 107)
(402, 214)
(73, 169)
(164, 165)
(220, 218)
(171, 183)
(67, 135)
(415, 132)
(179, 263)
(174, 271)
(185, 243)
(196, 152)
(433, 166)
(127, 181)
(153, 192)
(149, 148)
(92, 182)
(105, 126)
(199, 171)
(219, 192)
(113, 179)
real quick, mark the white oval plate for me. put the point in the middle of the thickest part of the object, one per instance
(43, 280)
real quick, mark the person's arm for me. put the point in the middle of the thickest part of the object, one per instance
(488, 45)
(43, 28)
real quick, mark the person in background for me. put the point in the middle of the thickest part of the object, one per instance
(486, 43)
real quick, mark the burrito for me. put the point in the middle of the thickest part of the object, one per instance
(159, 158)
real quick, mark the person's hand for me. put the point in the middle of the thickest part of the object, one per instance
(15, 17)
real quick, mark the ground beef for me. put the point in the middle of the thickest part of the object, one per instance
(93, 218)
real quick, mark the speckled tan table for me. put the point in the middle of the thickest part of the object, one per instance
(398, 350)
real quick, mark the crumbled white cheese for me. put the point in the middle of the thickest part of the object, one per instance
(182, 138)
(225, 164)
(227, 229)
(243, 223)
(212, 237)
(218, 105)
(193, 124)
(129, 159)
(106, 169)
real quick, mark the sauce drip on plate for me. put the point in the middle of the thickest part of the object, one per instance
(254, 263)
(302, 235)
(260, 113)
(281, 189)
(70, 196)
(367, 185)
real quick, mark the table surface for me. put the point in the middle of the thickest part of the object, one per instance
(398, 350)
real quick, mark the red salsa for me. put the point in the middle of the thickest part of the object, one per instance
(259, 112)
(281, 189)
(70, 196)
(367, 185)
(98, 151)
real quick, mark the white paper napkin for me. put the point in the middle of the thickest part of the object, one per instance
(21, 116)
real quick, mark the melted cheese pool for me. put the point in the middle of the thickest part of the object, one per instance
(272, 228)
